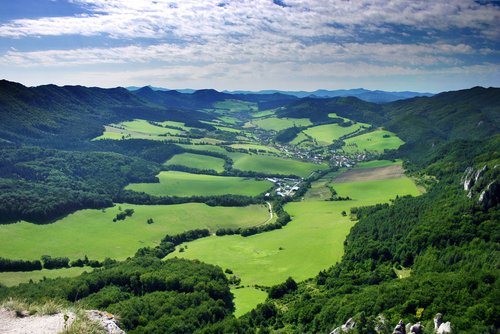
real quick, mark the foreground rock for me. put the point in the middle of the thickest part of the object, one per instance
(46, 324)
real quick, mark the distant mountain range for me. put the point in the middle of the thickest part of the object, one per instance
(375, 96)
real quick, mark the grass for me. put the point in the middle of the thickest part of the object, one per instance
(277, 124)
(311, 242)
(273, 165)
(197, 161)
(210, 148)
(14, 278)
(93, 232)
(255, 147)
(328, 133)
(373, 142)
(245, 299)
(173, 183)
(264, 113)
(301, 137)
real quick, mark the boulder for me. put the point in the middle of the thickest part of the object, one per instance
(417, 329)
(400, 328)
(444, 328)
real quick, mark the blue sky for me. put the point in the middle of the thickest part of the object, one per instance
(394, 45)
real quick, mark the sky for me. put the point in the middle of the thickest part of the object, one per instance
(393, 45)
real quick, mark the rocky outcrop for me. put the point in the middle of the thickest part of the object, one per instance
(107, 321)
(483, 184)
(417, 328)
(345, 328)
(400, 328)
(441, 327)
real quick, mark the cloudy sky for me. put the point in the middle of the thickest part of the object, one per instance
(427, 46)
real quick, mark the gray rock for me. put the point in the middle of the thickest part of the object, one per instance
(107, 321)
(438, 320)
(417, 328)
(345, 328)
(400, 328)
(444, 328)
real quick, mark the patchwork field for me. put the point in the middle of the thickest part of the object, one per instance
(173, 183)
(328, 133)
(311, 242)
(255, 147)
(93, 232)
(273, 165)
(375, 141)
(197, 161)
(277, 124)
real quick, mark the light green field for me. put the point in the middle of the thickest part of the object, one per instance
(114, 133)
(328, 133)
(277, 124)
(15, 278)
(245, 299)
(299, 138)
(173, 183)
(228, 120)
(210, 148)
(373, 142)
(311, 242)
(93, 232)
(255, 147)
(176, 124)
(273, 165)
(375, 190)
(264, 113)
(197, 161)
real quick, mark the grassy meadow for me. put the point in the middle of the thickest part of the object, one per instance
(197, 161)
(326, 134)
(93, 232)
(375, 141)
(273, 165)
(173, 183)
(15, 278)
(311, 242)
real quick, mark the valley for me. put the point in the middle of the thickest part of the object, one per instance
(265, 188)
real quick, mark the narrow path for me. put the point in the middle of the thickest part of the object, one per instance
(270, 214)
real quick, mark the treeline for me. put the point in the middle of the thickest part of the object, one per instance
(49, 262)
(282, 220)
(168, 243)
(132, 197)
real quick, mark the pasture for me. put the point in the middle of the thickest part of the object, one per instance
(173, 183)
(326, 134)
(273, 165)
(15, 278)
(311, 242)
(197, 161)
(255, 147)
(245, 299)
(235, 106)
(93, 232)
(376, 141)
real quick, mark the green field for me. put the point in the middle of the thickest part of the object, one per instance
(273, 165)
(15, 278)
(173, 183)
(93, 232)
(245, 299)
(277, 124)
(197, 161)
(373, 142)
(312, 242)
(255, 147)
(328, 133)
